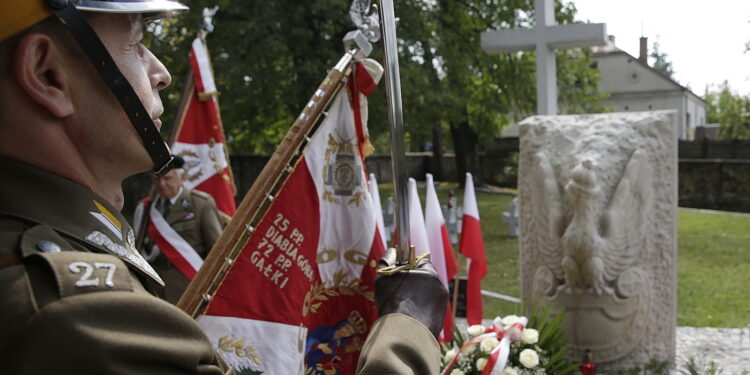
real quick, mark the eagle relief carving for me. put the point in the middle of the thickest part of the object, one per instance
(590, 244)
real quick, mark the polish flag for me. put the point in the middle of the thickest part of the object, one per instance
(441, 249)
(299, 299)
(200, 136)
(417, 230)
(472, 246)
(375, 194)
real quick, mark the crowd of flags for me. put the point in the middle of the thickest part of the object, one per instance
(316, 249)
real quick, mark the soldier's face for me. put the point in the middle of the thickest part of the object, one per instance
(169, 185)
(108, 125)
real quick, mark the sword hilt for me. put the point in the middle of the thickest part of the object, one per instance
(411, 265)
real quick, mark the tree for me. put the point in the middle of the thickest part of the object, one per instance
(730, 111)
(270, 56)
(661, 62)
(474, 94)
(268, 59)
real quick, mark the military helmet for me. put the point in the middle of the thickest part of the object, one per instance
(18, 15)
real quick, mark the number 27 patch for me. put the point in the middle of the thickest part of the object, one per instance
(90, 273)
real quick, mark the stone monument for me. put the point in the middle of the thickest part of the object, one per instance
(598, 203)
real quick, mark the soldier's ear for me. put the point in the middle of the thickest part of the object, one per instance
(40, 69)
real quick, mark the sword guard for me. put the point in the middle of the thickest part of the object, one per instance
(413, 261)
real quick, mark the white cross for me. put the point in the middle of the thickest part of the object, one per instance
(544, 38)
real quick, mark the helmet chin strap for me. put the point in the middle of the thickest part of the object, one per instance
(117, 83)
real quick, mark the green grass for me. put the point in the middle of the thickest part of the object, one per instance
(713, 261)
(713, 269)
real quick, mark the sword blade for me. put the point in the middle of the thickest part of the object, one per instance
(396, 121)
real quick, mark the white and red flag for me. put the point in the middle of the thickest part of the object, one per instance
(441, 249)
(375, 194)
(417, 230)
(300, 296)
(200, 136)
(472, 246)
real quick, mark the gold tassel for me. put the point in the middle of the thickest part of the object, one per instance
(369, 148)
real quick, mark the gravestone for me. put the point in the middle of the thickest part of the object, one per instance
(598, 205)
(510, 218)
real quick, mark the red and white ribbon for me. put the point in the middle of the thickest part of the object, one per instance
(498, 357)
(173, 246)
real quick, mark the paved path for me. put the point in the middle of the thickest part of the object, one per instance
(728, 347)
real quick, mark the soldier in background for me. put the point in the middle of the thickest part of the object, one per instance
(193, 216)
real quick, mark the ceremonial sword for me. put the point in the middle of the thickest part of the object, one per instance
(405, 254)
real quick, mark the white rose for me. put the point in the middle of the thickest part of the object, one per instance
(511, 320)
(449, 355)
(457, 372)
(488, 344)
(481, 362)
(475, 330)
(528, 358)
(510, 371)
(530, 336)
(469, 350)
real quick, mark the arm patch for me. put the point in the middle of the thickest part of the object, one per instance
(78, 273)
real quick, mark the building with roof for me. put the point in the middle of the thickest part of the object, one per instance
(634, 86)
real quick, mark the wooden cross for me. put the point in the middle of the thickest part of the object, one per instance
(544, 38)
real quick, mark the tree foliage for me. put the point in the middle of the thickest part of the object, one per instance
(269, 57)
(661, 61)
(730, 111)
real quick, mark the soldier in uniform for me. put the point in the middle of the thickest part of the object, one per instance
(79, 113)
(193, 216)
(77, 296)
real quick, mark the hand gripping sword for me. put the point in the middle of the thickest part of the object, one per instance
(405, 254)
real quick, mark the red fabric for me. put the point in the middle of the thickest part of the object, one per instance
(450, 258)
(202, 121)
(250, 292)
(472, 246)
(196, 72)
(450, 271)
(258, 286)
(173, 255)
(447, 335)
(221, 190)
(361, 83)
(202, 125)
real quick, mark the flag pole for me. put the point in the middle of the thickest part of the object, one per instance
(456, 284)
(201, 289)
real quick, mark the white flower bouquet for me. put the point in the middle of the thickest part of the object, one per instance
(510, 346)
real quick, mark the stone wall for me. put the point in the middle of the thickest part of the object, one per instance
(713, 174)
(715, 184)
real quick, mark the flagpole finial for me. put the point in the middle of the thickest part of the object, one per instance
(208, 19)
(365, 17)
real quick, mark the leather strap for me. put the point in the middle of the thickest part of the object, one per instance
(117, 83)
(7, 260)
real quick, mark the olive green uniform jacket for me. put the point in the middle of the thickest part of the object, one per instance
(399, 345)
(77, 298)
(196, 219)
(76, 295)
